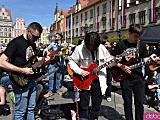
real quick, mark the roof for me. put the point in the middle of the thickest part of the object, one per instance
(151, 34)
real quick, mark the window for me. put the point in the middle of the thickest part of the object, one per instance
(132, 18)
(104, 8)
(158, 13)
(124, 21)
(142, 17)
(112, 24)
(5, 29)
(85, 15)
(91, 27)
(10, 29)
(91, 13)
(73, 21)
(5, 41)
(5, 34)
(76, 19)
(132, 2)
(76, 31)
(10, 34)
(104, 25)
(98, 11)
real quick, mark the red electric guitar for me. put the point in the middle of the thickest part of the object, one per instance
(83, 83)
(118, 74)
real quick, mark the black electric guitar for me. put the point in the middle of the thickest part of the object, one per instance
(47, 74)
(118, 74)
(22, 80)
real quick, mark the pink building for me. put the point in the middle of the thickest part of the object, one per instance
(19, 27)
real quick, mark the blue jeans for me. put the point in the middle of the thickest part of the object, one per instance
(158, 94)
(25, 101)
(52, 67)
(5, 80)
(158, 79)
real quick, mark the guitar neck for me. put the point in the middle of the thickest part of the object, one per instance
(44, 76)
(38, 64)
(108, 64)
(140, 64)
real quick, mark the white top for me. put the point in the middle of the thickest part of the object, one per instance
(82, 58)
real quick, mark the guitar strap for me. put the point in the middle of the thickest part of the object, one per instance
(94, 56)
(137, 49)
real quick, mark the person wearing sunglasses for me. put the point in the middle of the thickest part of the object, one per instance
(17, 54)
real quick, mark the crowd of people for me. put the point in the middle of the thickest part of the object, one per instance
(24, 64)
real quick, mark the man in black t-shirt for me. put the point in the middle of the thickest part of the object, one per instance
(17, 53)
(134, 81)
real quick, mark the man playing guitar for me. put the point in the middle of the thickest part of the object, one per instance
(91, 51)
(134, 82)
(17, 53)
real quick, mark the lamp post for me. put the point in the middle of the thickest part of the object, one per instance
(86, 29)
(119, 34)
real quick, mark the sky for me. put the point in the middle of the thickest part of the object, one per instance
(41, 11)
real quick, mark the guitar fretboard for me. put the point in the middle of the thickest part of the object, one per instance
(140, 64)
(108, 64)
(38, 64)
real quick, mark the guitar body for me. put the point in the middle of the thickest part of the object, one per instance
(83, 83)
(70, 72)
(118, 74)
(50, 52)
(154, 67)
(22, 80)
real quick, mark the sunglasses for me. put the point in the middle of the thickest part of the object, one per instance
(34, 36)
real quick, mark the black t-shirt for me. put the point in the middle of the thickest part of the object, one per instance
(19, 50)
(143, 53)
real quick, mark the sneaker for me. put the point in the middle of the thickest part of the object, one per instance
(59, 92)
(49, 94)
(109, 99)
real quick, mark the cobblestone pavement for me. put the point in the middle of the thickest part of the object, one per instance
(109, 110)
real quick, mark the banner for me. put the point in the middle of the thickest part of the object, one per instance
(153, 10)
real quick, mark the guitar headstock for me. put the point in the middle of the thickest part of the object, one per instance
(127, 52)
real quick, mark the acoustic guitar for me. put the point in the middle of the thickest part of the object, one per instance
(118, 74)
(154, 67)
(83, 83)
(70, 72)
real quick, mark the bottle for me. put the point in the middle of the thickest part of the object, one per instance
(11, 94)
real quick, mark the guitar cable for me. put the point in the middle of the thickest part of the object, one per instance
(114, 94)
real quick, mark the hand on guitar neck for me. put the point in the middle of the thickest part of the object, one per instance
(51, 55)
(156, 65)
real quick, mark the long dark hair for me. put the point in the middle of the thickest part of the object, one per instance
(92, 41)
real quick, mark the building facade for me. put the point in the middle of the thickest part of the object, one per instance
(108, 16)
(5, 25)
(19, 27)
(44, 36)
